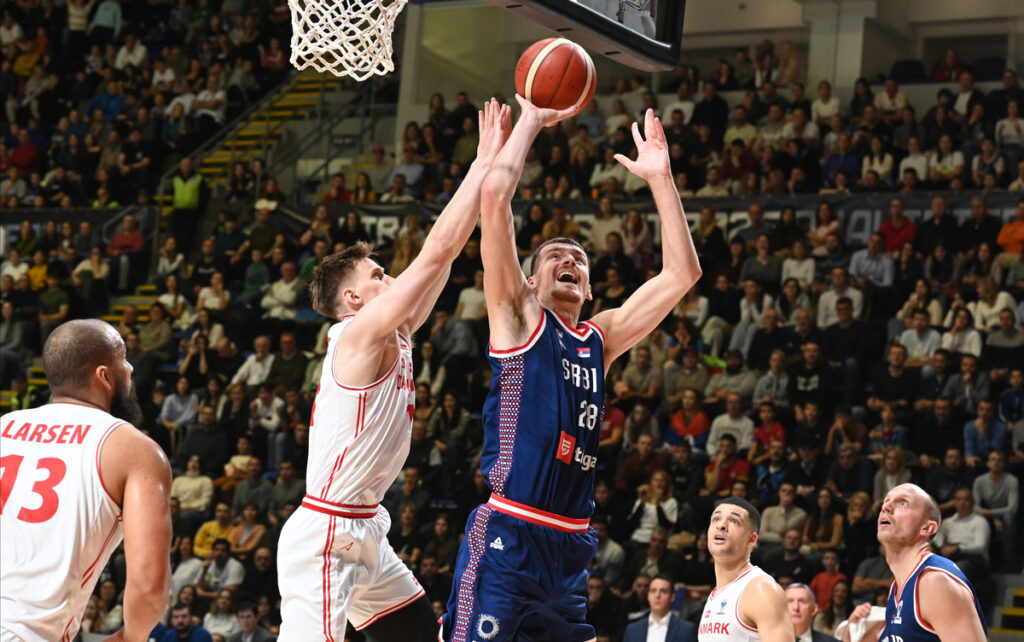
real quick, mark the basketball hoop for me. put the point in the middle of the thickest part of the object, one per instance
(344, 37)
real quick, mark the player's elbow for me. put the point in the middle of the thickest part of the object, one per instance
(498, 185)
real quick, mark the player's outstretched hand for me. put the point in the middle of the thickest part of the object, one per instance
(495, 125)
(544, 117)
(652, 158)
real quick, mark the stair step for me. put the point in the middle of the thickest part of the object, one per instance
(284, 113)
(38, 381)
(296, 93)
(141, 308)
(1012, 617)
(1007, 632)
(209, 171)
(316, 86)
(234, 143)
(1017, 598)
(147, 288)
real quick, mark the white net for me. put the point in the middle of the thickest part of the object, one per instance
(344, 37)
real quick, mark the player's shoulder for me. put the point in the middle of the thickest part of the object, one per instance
(937, 581)
(130, 448)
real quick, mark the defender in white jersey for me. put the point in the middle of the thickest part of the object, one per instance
(335, 563)
(746, 604)
(76, 476)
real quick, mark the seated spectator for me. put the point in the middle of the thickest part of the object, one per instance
(823, 584)
(54, 306)
(639, 465)
(733, 422)
(769, 430)
(256, 367)
(178, 411)
(218, 582)
(660, 596)
(281, 299)
(984, 434)
(844, 343)
(894, 383)
(990, 304)
(945, 164)
(771, 472)
(640, 382)
(726, 467)
(736, 379)
(962, 339)
(213, 531)
(840, 287)
(254, 489)
(998, 496)
(247, 535)
(810, 380)
(778, 519)
(689, 424)
(969, 387)
(891, 474)
(872, 579)
(921, 343)
(193, 490)
(789, 562)
(207, 440)
(965, 537)
(654, 559)
(946, 476)
(773, 384)
(823, 530)
(849, 474)
(655, 506)
(839, 610)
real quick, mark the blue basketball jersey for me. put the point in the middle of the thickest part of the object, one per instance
(903, 622)
(542, 418)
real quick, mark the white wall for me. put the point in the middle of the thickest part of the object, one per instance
(713, 16)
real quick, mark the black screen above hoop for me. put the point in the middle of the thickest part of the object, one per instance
(623, 30)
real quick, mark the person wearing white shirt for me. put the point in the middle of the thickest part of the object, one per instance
(921, 343)
(660, 625)
(802, 607)
(256, 368)
(914, 159)
(841, 287)
(185, 97)
(10, 31)
(891, 101)
(964, 538)
(279, 301)
(472, 306)
(801, 128)
(683, 103)
(132, 53)
(735, 422)
(825, 106)
(163, 76)
(211, 104)
(609, 168)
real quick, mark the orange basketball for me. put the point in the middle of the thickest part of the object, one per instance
(556, 73)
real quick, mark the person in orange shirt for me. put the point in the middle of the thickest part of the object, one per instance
(1011, 238)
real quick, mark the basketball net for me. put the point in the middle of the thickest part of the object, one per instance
(344, 37)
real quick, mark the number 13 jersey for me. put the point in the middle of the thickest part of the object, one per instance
(58, 524)
(542, 418)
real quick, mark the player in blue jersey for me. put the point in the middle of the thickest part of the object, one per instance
(521, 571)
(930, 599)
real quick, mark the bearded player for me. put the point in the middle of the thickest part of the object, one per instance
(931, 598)
(746, 604)
(76, 478)
(335, 562)
(521, 570)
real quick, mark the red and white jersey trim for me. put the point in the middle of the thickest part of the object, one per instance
(352, 511)
(537, 516)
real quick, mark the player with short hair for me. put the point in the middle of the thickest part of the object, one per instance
(746, 604)
(335, 562)
(521, 570)
(77, 477)
(931, 598)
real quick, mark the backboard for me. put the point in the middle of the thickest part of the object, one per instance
(644, 34)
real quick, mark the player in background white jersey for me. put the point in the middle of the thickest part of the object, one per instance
(76, 478)
(746, 604)
(361, 427)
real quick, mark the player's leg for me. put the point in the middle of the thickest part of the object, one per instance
(390, 604)
(415, 622)
(316, 576)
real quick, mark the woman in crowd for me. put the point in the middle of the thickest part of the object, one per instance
(792, 299)
(353, 231)
(204, 325)
(859, 532)
(799, 265)
(177, 306)
(839, 610)
(187, 567)
(405, 536)
(752, 306)
(157, 336)
(215, 297)
(654, 507)
(991, 302)
(636, 239)
(825, 223)
(892, 473)
(429, 370)
(425, 405)
(247, 535)
(363, 191)
(111, 614)
(221, 616)
(906, 271)
(962, 338)
(689, 423)
(443, 544)
(823, 530)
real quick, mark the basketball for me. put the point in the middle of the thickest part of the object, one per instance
(556, 73)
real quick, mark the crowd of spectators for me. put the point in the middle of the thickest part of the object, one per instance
(100, 97)
(804, 377)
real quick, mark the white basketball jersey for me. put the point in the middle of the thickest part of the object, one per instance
(359, 436)
(721, 619)
(58, 525)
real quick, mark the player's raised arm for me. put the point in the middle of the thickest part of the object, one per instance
(507, 294)
(646, 307)
(132, 457)
(764, 605)
(948, 606)
(409, 300)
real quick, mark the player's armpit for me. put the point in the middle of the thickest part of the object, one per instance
(947, 606)
(764, 605)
